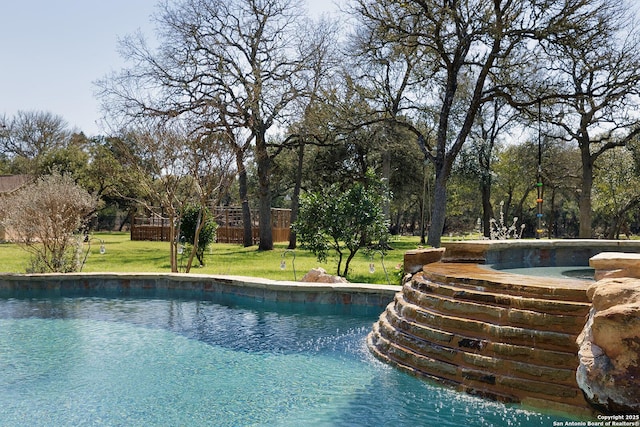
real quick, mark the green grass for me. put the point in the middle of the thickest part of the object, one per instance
(124, 255)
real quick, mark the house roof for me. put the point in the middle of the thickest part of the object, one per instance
(11, 183)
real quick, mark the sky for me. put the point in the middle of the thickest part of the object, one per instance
(52, 52)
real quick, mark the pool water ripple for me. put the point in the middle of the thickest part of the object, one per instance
(104, 361)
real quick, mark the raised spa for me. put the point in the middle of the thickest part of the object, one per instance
(506, 336)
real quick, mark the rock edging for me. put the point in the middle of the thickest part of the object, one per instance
(609, 370)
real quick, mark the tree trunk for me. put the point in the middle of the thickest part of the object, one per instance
(196, 239)
(518, 209)
(173, 252)
(438, 215)
(295, 199)
(423, 224)
(585, 193)
(552, 228)
(339, 260)
(347, 264)
(127, 219)
(386, 175)
(264, 192)
(423, 207)
(247, 235)
(487, 210)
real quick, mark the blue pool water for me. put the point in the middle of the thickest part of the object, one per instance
(559, 272)
(113, 361)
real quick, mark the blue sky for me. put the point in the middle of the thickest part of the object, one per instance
(51, 52)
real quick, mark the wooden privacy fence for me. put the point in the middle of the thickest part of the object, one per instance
(230, 226)
(153, 228)
(231, 230)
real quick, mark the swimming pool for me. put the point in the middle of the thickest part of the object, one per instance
(98, 359)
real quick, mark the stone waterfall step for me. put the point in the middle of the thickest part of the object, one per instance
(485, 381)
(494, 313)
(499, 298)
(451, 345)
(495, 335)
(455, 322)
(528, 360)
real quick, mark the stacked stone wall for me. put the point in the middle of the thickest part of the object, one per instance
(503, 336)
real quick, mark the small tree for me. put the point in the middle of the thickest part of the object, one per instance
(196, 217)
(45, 218)
(175, 167)
(343, 221)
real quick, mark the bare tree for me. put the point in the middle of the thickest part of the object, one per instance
(313, 110)
(176, 169)
(46, 218)
(239, 62)
(210, 163)
(30, 135)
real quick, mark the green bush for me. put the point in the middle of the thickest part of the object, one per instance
(342, 220)
(192, 215)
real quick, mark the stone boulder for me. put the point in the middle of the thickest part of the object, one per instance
(609, 370)
(319, 275)
(609, 265)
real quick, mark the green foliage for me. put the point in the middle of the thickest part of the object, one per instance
(616, 192)
(342, 221)
(192, 216)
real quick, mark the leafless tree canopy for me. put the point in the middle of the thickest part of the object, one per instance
(31, 134)
(45, 218)
(237, 70)
(220, 64)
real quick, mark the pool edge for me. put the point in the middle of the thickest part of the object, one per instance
(262, 289)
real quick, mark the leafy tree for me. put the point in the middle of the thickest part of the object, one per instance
(341, 220)
(515, 174)
(462, 47)
(616, 191)
(71, 159)
(5, 165)
(408, 185)
(46, 217)
(194, 218)
(515, 178)
(561, 187)
(113, 178)
(492, 123)
(597, 74)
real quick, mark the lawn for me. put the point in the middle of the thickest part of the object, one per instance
(124, 255)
